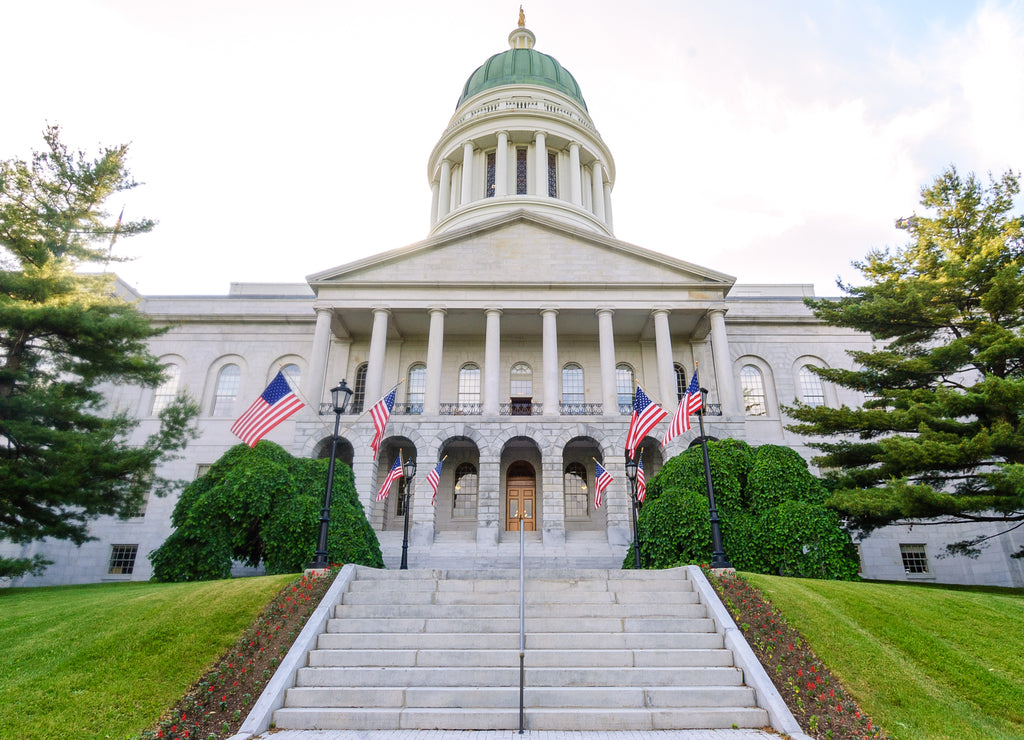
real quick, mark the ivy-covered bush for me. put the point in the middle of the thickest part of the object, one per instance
(261, 505)
(771, 508)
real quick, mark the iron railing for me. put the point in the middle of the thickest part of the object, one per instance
(521, 408)
(581, 409)
(408, 408)
(461, 409)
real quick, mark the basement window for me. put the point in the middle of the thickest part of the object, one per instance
(122, 560)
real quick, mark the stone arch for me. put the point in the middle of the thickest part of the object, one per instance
(390, 513)
(434, 444)
(579, 506)
(767, 377)
(450, 512)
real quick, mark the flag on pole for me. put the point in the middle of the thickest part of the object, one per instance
(394, 474)
(646, 415)
(381, 412)
(690, 403)
(433, 479)
(641, 479)
(273, 406)
(603, 480)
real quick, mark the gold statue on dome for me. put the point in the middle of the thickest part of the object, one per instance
(522, 17)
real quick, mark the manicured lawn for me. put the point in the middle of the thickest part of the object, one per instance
(106, 660)
(925, 662)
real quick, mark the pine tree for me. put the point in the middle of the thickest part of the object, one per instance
(64, 456)
(939, 434)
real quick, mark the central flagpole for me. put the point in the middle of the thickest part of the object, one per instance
(718, 560)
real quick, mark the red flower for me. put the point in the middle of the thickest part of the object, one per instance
(810, 686)
(800, 672)
(182, 716)
(839, 707)
(832, 693)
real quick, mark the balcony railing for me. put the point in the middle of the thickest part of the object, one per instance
(581, 409)
(408, 408)
(521, 408)
(713, 409)
(461, 409)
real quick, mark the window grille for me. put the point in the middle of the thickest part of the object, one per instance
(165, 392)
(464, 495)
(811, 389)
(521, 180)
(752, 383)
(228, 381)
(915, 559)
(469, 384)
(572, 383)
(576, 494)
(359, 391)
(122, 560)
(552, 175)
(624, 385)
(489, 185)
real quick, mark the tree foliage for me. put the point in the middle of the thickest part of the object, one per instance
(773, 518)
(939, 434)
(64, 454)
(262, 506)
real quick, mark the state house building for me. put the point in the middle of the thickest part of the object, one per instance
(516, 332)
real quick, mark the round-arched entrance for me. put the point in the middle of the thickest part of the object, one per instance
(520, 497)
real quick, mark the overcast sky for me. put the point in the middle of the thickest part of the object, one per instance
(772, 141)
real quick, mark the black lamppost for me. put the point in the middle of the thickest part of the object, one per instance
(631, 475)
(717, 553)
(340, 395)
(409, 471)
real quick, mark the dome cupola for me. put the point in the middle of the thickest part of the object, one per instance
(521, 138)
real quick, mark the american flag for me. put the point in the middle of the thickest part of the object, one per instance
(646, 415)
(394, 474)
(641, 480)
(273, 406)
(690, 403)
(433, 479)
(381, 412)
(603, 480)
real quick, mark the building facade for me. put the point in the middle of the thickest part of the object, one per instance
(515, 334)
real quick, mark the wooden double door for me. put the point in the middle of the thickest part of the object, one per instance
(521, 497)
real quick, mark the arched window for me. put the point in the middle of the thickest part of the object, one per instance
(572, 383)
(576, 494)
(359, 390)
(228, 380)
(464, 495)
(469, 384)
(752, 383)
(624, 387)
(811, 389)
(521, 380)
(417, 387)
(167, 389)
(681, 382)
(294, 374)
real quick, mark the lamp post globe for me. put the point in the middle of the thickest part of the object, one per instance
(409, 472)
(340, 396)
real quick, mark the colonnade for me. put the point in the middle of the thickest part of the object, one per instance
(594, 173)
(491, 385)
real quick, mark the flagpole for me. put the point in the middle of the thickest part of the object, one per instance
(718, 560)
(365, 411)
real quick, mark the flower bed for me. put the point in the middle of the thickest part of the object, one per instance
(218, 703)
(817, 699)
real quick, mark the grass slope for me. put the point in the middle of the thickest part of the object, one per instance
(925, 662)
(107, 660)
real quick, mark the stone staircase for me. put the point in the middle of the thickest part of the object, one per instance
(435, 649)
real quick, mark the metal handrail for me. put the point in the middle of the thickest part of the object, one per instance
(522, 623)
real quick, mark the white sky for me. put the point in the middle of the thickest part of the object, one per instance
(775, 142)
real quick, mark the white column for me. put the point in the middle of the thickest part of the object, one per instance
(727, 395)
(435, 355)
(666, 370)
(314, 389)
(501, 166)
(608, 204)
(606, 339)
(597, 190)
(550, 360)
(575, 183)
(444, 190)
(540, 160)
(467, 172)
(435, 194)
(492, 361)
(375, 364)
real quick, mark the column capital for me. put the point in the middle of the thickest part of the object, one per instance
(574, 145)
(493, 310)
(661, 310)
(501, 133)
(604, 310)
(380, 309)
(717, 309)
(437, 309)
(548, 309)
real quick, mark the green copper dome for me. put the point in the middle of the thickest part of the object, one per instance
(519, 67)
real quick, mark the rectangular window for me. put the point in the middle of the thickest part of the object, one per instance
(122, 560)
(915, 559)
(521, 171)
(202, 469)
(552, 175)
(400, 502)
(489, 185)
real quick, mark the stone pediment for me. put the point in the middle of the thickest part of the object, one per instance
(521, 248)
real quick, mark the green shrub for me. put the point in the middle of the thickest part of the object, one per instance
(261, 505)
(770, 507)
